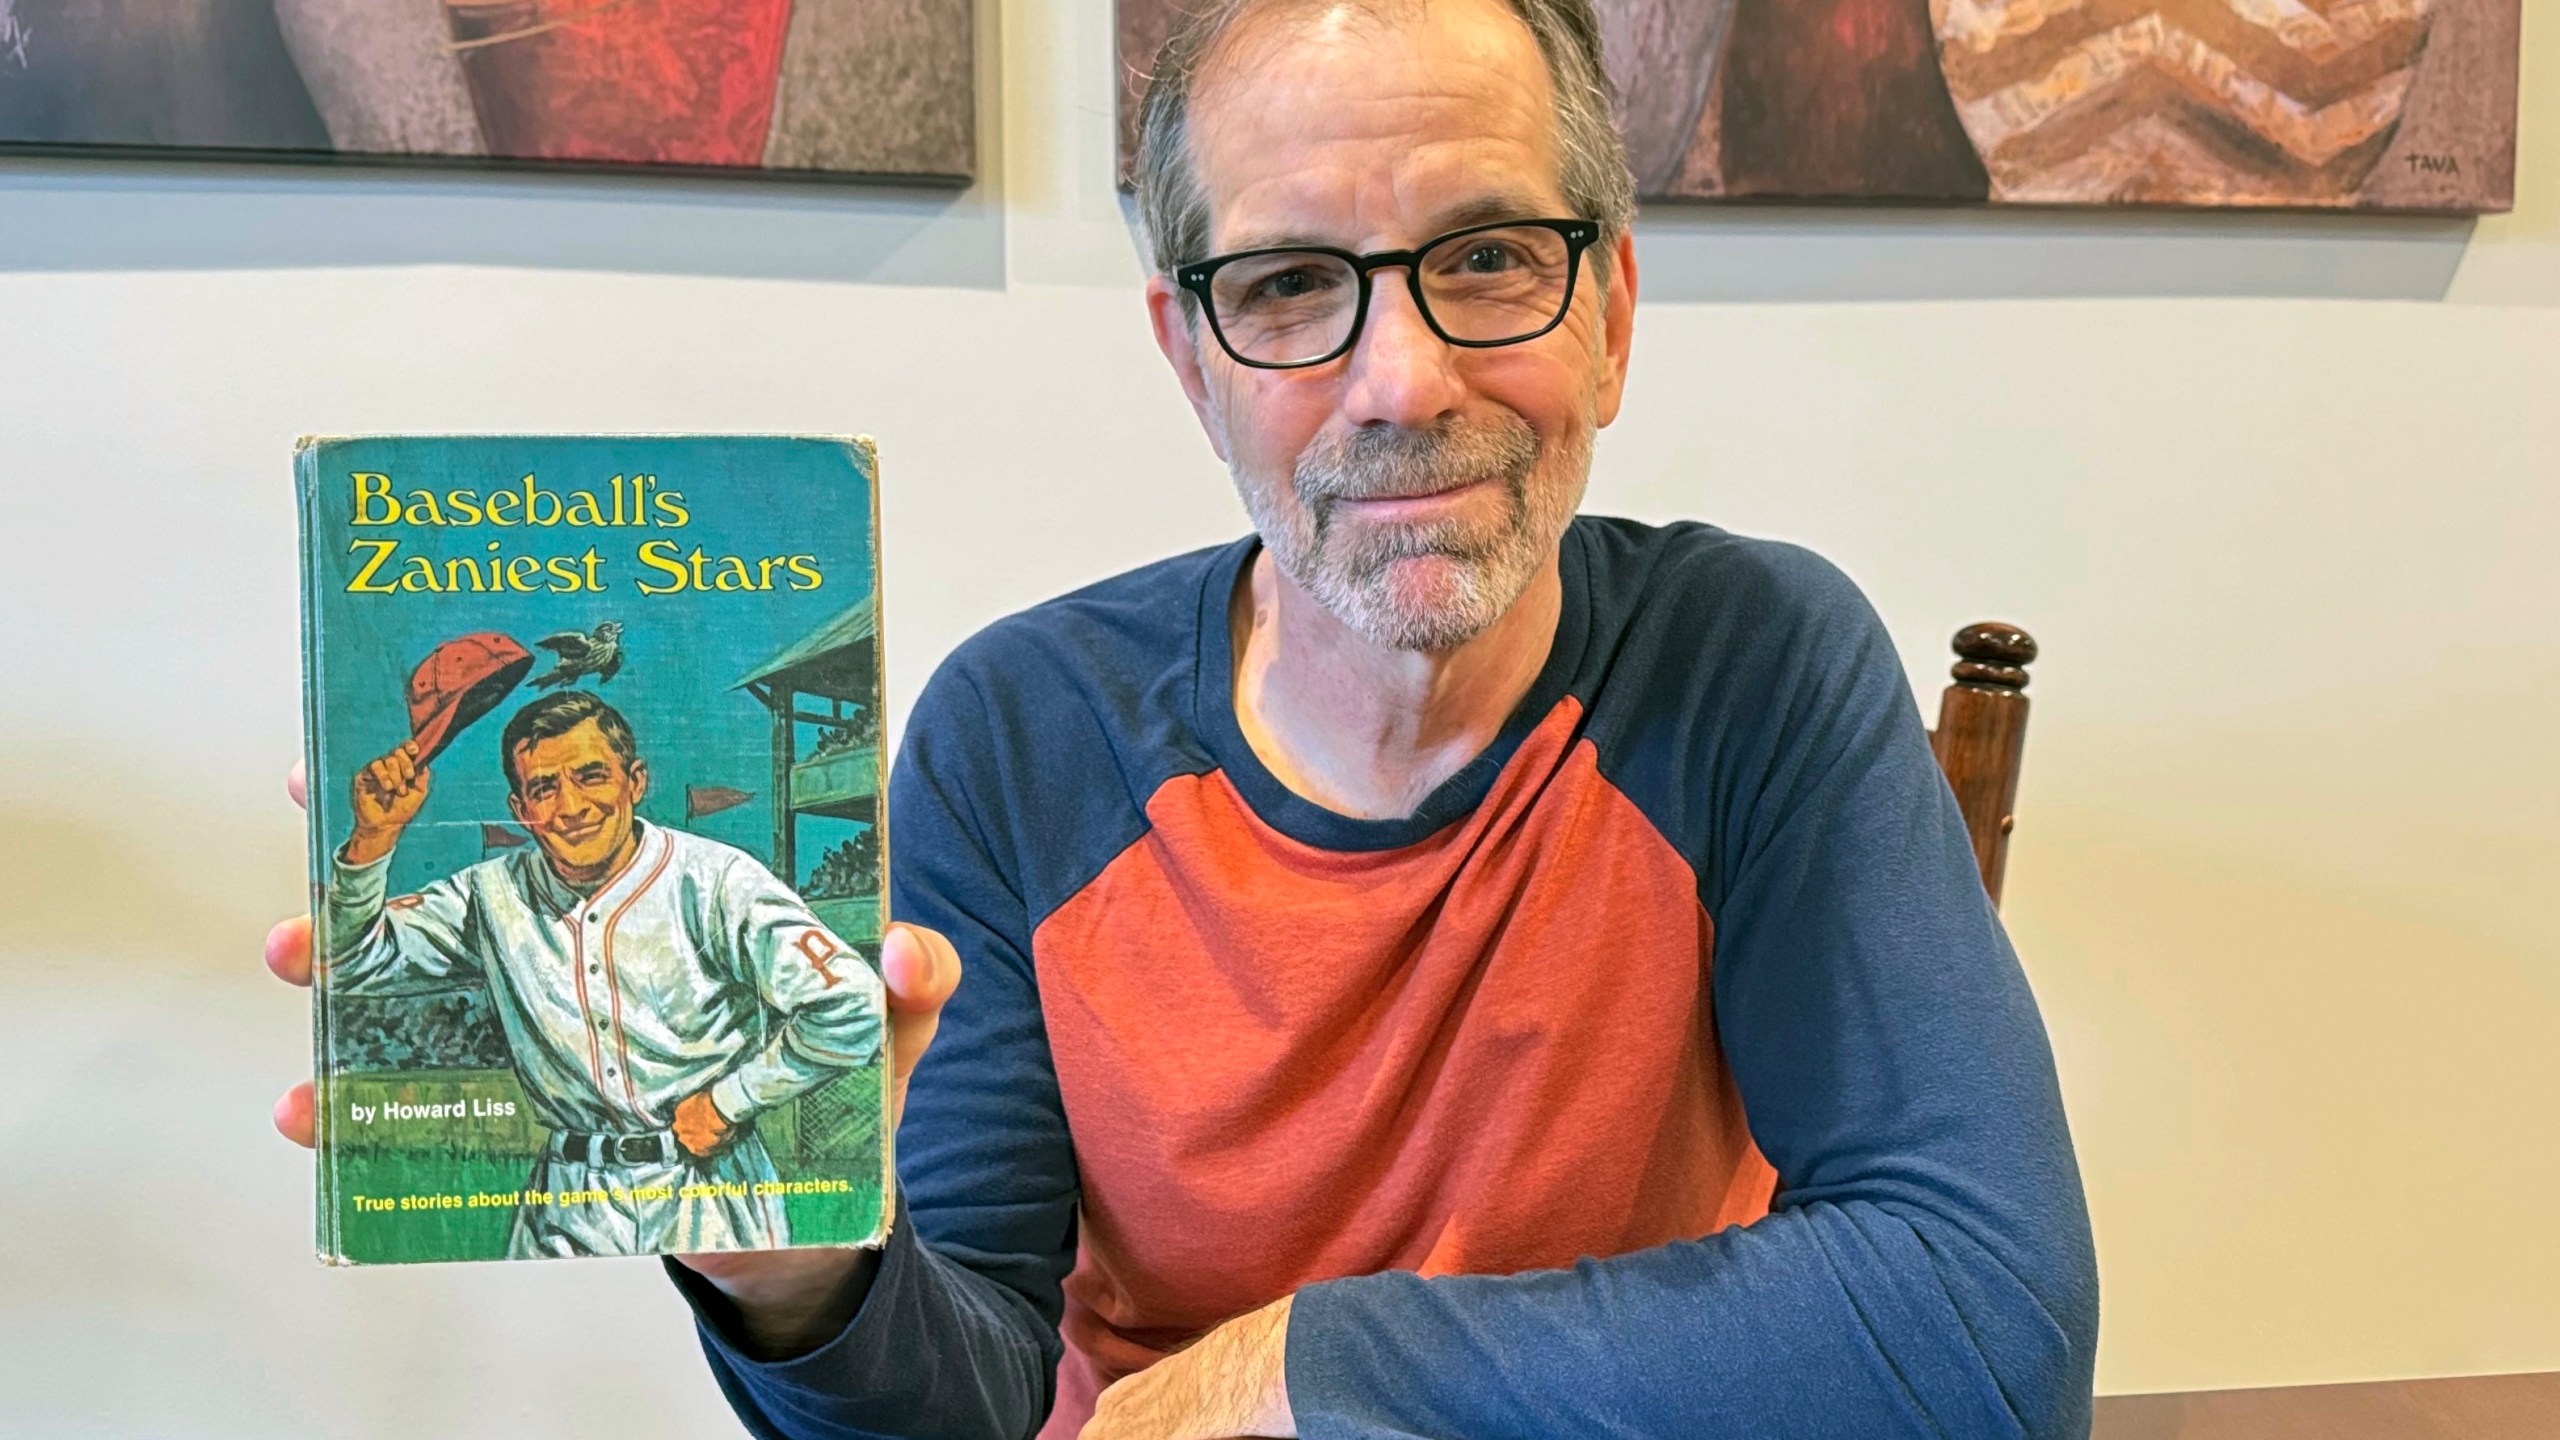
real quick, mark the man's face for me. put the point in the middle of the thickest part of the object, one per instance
(1412, 487)
(576, 796)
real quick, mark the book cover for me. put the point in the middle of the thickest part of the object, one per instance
(597, 847)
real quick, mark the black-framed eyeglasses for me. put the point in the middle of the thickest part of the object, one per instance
(1294, 305)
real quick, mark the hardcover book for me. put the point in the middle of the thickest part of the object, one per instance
(597, 846)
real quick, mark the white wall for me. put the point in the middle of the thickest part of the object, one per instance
(2278, 495)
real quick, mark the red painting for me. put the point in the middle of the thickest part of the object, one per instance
(873, 88)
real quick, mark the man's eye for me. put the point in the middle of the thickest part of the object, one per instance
(1290, 285)
(1490, 259)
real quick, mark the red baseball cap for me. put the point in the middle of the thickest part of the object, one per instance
(461, 680)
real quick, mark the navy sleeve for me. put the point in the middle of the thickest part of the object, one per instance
(957, 1335)
(1927, 1268)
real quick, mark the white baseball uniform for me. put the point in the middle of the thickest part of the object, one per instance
(694, 967)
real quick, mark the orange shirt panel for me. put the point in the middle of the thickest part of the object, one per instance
(1490, 1051)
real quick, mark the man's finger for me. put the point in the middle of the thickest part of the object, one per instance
(297, 787)
(293, 1115)
(289, 950)
(920, 967)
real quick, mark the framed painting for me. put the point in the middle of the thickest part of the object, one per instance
(867, 88)
(2369, 105)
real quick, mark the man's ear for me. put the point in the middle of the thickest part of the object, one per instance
(1617, 325)
(1178, 336)
(515, 807)
(639, 782)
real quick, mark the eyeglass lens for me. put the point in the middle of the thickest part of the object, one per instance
(1486, 286)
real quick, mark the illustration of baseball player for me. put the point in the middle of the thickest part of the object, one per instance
(659, 990)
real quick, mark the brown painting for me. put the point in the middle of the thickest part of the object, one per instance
(2327, 104)
(877, 88)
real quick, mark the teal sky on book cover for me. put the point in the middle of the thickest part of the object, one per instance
(548, 960)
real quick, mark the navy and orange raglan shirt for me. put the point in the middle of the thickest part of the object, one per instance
(1667, 1073)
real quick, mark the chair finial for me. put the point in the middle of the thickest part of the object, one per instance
(1995, 654)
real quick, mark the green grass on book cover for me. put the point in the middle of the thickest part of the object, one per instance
(598, 844)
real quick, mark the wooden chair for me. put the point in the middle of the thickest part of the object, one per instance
(1982, 737)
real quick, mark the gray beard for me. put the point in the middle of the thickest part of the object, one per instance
(1481, 570)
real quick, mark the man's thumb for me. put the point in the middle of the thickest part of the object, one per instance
(920, 968)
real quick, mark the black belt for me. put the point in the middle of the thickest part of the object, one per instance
(583, 1148)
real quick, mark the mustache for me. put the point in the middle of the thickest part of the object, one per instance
(1386, 462)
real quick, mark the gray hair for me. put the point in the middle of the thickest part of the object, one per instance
(1592, 158)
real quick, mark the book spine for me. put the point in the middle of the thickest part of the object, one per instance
(307, 481)
(870, 464)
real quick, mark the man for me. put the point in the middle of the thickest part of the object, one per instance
(1438, 967)
(658, 990)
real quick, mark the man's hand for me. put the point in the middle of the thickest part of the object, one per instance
(700, 1127)
(289, 956)
(388, 793)
(1234, 1382)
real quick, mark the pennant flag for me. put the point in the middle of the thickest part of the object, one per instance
(701, 800)
(499, 837)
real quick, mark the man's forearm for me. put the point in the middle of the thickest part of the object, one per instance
(1233, 1382)
(782, 1071)
(353, 903)
(373, 947)
(915, 1345)
(1860, 1318)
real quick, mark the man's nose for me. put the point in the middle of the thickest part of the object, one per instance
(1401, 373)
